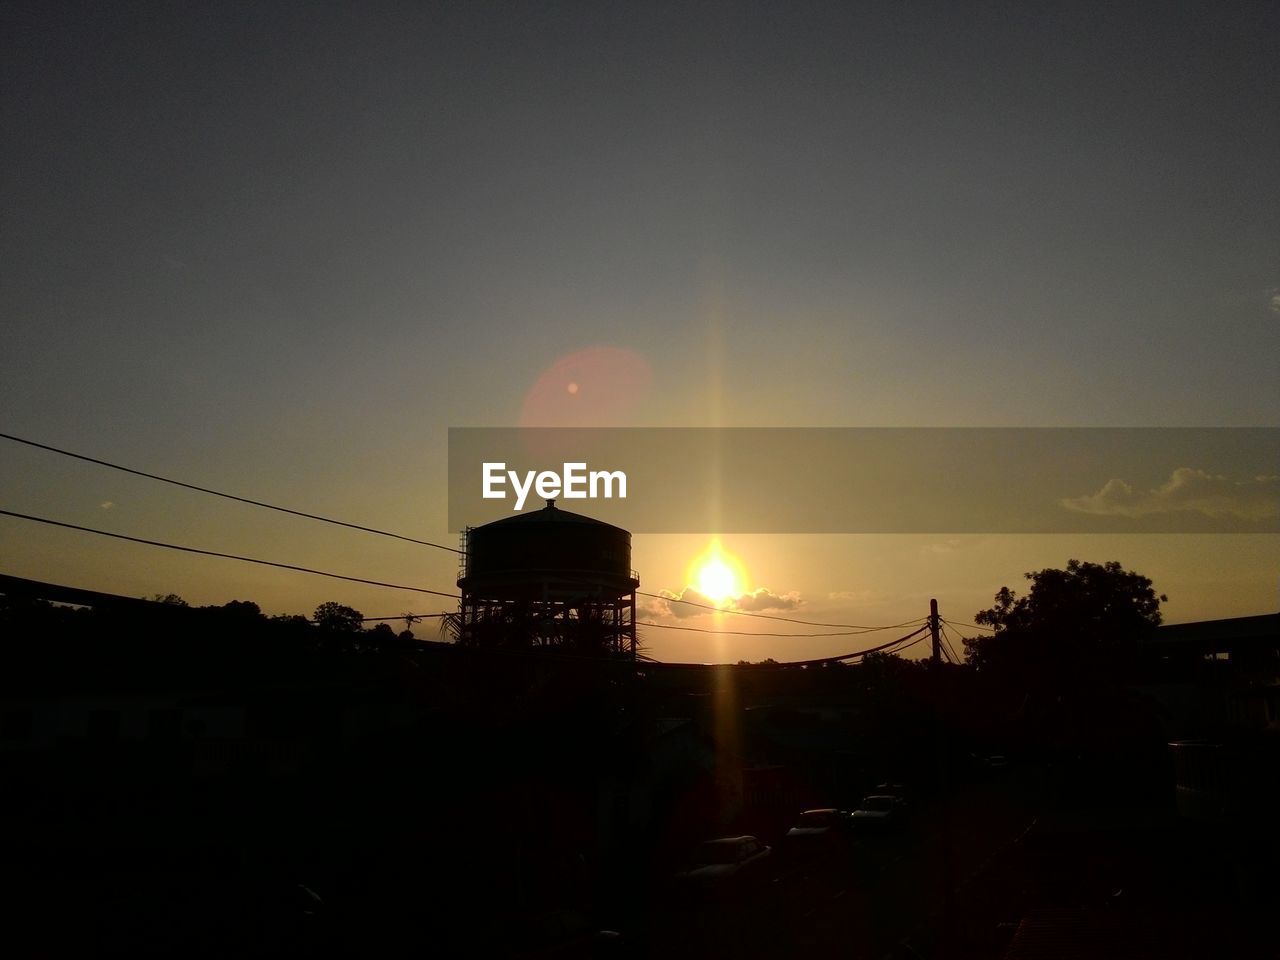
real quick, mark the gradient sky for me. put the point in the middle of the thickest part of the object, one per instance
(279, 249)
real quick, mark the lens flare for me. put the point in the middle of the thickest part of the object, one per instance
(593, 387)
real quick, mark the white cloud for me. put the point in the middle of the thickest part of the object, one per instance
(647, 609)
(760, 600)
(1187, 490)
(106, 504)
(1275, 302)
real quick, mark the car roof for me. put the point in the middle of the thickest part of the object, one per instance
(726, 841)
(805, 813)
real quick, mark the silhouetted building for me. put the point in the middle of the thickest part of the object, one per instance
(548, 578)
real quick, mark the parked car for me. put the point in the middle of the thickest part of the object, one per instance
(816, 832)
(826, 822)
(899, 790)
(724, 863)
(881, 809)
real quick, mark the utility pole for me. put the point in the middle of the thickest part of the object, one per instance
(946, 875)
(933, 629)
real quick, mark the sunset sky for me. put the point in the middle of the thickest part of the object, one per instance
(279, 249)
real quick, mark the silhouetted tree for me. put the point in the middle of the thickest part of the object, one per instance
(170, 598)
(380, 637)
(1081, 620)
(241, 610)
(880, 662)
(292, 627)
(338, 618)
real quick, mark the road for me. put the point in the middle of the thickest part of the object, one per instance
(867, 898)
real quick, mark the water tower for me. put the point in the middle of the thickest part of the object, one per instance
(548, 579)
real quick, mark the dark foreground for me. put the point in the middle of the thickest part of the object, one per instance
(211, 786)
(1028, 862)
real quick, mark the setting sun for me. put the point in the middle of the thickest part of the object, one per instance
(717, 574)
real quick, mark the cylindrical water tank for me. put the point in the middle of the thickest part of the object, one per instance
(526, 555)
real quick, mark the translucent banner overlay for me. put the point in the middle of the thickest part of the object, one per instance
(877, 480)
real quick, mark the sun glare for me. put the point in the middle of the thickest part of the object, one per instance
(717, 574)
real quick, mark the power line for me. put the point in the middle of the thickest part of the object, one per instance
(228, 556)
(81, 596)
(380, 583)
(882, 648)
(671, 626)
(227, 496)
(425, 543)
(899, 644)
(967, 626)
(906, 646)
(745, 633)
(860, 627)
(404, 616)
(946, 638)
(851, 628)
(955, 655)
(922, 635)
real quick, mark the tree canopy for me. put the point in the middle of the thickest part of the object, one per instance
(338, 618)
(1086, 618)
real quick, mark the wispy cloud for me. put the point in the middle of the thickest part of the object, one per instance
(856, 596)
(1187, 491)
(106, 504)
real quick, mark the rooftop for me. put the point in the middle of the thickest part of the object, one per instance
(548, 514)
